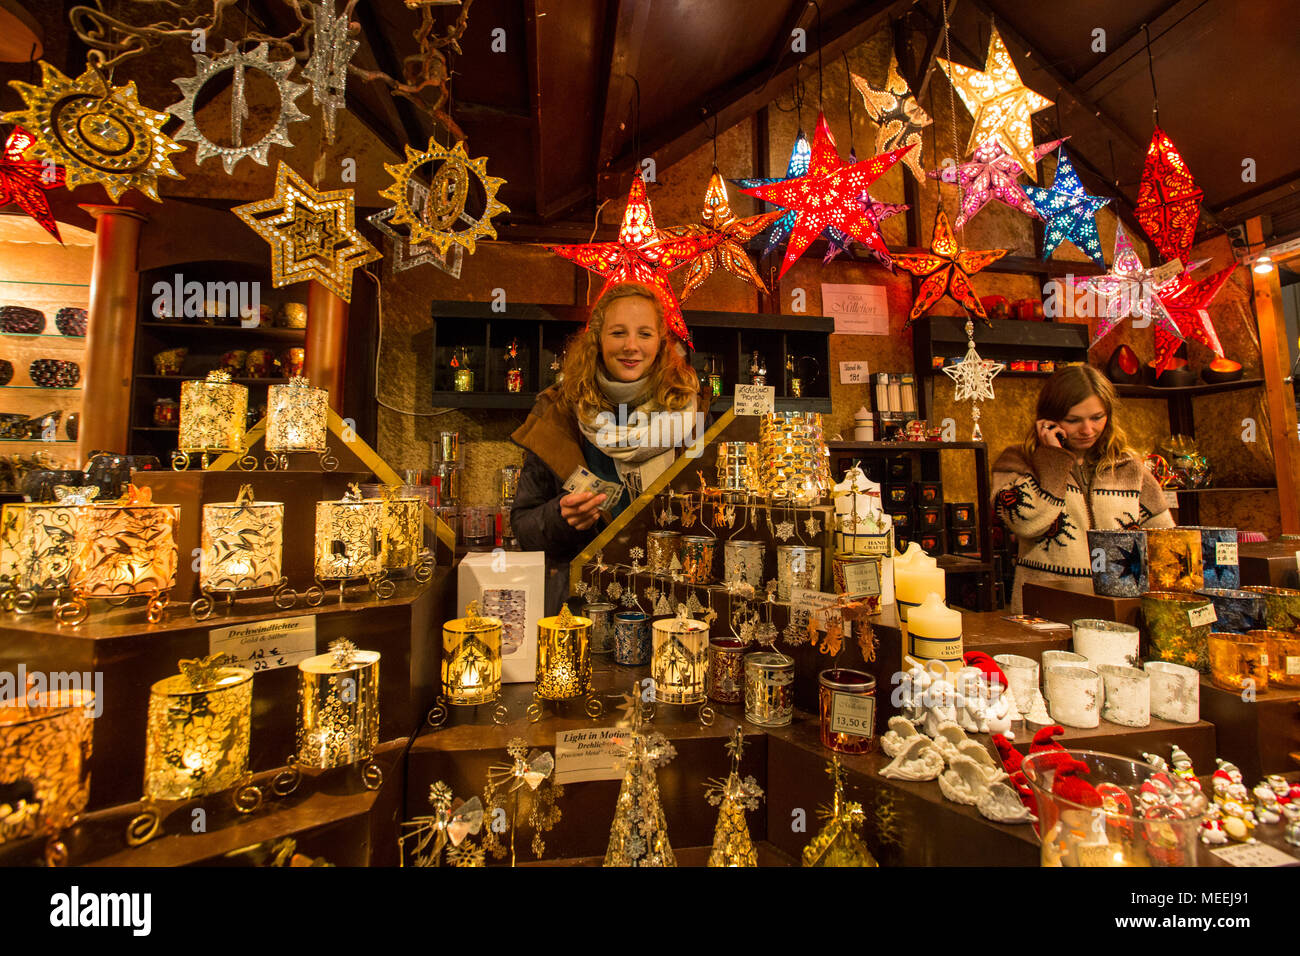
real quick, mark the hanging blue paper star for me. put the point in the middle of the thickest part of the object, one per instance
(1070, 212)
(800, 157)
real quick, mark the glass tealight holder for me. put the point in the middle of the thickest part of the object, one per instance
(563, 656)
(727, 670)
(846, 702)
(45, 745)
(697, 556)
(631, 638)
(661, 548)
(680, 659)
(403, 529)
(1238, 661)
(214, 414)
(601, 614)
(1283, 649)
(37, 546)
(297, 422)
(338, 707)
(769, 689)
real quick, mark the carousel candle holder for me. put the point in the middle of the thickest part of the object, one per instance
(697, 554)
(37, 548)
(846, 703)
(1174, 559)
(297, 423)
(350, 542)
(742, 562)
(338, 710)
(769, 689)
(403, 530)
(793, 458)
(241, 552)
(45, 744)
(797, 566)
(680, 663)
(563, 664)
(727, 670)
(124, 549)
(214, 414)
(661, 548)
(471, 665)
(1239, 661)
(632, 644)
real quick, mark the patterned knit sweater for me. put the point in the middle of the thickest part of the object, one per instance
(1042, 500)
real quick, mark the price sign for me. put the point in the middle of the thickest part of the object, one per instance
(1254, 854)
(1162, 274)
(862, 577)
(851, 714)
(754, 399)
(1225, 553)
(1200, 616)
(854, 373)
(266, 645)
(591, 754)
(1171, 499)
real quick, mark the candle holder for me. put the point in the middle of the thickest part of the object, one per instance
(1049, 658)
(297, 422)
(350, 542)
(1239, 661)
(403, 531)
(1123, 571)
(338, 710)
(846, 704)
(769, 689)
(679, 665)
(124, 549)
(727, 670)
(241, 553)
(1174, 559)
(1283, 648)
(37, 548)
(471, 665)
(1281, 606)
(794, 461)
(1237, 611)
(661, 548)
(214, 414)
(1022, 676)
(1175, 692)
(632, 645)
(514, 374)
(1178, 627)
(697, 554)
(563, 663)
(601, 614)
(461, 373)
(738, 467)
(797, 566)
(1127, 695)
(742, 562)
(1219, 556)
(1106, 642)
(1074, 693)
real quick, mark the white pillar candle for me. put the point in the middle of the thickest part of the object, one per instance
(914, 579)
(934, 631)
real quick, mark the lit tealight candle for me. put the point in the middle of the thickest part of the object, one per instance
(934, 631)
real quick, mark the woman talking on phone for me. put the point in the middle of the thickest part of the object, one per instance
(1074, 472)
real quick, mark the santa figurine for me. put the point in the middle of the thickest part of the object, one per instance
(1212, 833)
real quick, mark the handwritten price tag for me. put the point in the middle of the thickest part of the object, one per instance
(1225, 553)
(1254, 854)
(266, 645)
(754, 399)
(1200, 616)
(1171, 499)
(853, 373)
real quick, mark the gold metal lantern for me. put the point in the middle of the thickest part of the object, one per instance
(679, 665)
(471, 664)
(338, 709)
(403, 529)
(297, 422)
(37, 547)
(794, 463)
(214, 413)
(241, 551)
(350, 542)
(563, 661)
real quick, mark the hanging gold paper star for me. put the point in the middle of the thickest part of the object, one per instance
(1001, 104)
(313, 234)
(898, 115)
(97, 132)
(444, 209)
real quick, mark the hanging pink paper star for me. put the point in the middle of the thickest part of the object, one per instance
(876, 211)
(642, 254)
(1186, 302)
(991, 174)
(24, 182)
(1169, 202)
(1126, 290)
(946, 269)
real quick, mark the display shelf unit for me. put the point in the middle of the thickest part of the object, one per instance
(542, 330)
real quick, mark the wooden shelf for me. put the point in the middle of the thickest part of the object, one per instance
(906, 446)
(200, 378)
(261, 331)
(1203, 491)
(1203, 388)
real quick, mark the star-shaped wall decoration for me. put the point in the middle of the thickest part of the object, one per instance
(828, 197)
(1126, 290)
(729, 252)
(1001, 104)
(973, 376)
(1069, 210)
(24, 182)
(800, 155)
(642, 254)
(992, 173)
(1186, 302)
(313, 235)
(899, 116)
(876, 212)
(946, 269)
(1169, 202)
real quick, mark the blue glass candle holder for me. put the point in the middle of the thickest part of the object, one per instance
(1121, 557)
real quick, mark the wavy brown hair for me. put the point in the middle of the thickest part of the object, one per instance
(673, 382)
(1067, 388)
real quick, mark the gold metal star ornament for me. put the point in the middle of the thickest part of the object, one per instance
(313, 234)
(1001, 104)
(442, 221)
(98, 132)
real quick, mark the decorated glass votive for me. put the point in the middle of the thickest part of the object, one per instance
(697, 558)
(1175, 692)
(471, 658)
(601, 614)
(727, 670)
(1174, 559)
(846, 703)
(632, 638)
(769, 689)
(680, 661)
(738, 466)
(1074, 695)
(297, 418)
(37, 545)
(797, 566)
(1022, 675)
(661, 548)
(349, 537)
(1281, 606)
(1283, 649)
(126, 547)
(1127, 693)
(1178, 626)
(1106, 642)
(1237, 611)
(198, 730)
(1238, 661)
(1219, 557)
(743, 561)
(338, 706)
(1123, 568)
(214, 414)
(241, 544)
(563, 656)
(793, 459)
(45, 742)
(1057, 657)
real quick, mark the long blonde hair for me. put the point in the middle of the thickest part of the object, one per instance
(1067, 388)
(673, 382)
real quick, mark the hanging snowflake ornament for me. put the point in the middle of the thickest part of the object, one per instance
(615, 590)
(973, 379)
(800, 155)
(813, 526)
(1070, 212)
(407, 254)
(1169, 201)
(332, 45)
(24, 182)
(629, 598)
(946, 270)
(899, 118)
(991, 173)
(784, 530)
(313, 235)
(238, 63)
(444, 206)
(97, 132)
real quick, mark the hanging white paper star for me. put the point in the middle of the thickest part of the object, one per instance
(973, 375)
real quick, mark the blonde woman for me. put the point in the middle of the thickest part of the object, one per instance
(628, 404)
(1074, 472)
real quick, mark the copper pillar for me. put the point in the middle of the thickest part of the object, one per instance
(110, 338)
(327, 340)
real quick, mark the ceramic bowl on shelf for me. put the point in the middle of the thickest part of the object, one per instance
(1177, 375)
(1222, 370)
(54, 373)
(169, 362)
(71, 321)
(6, 372)
(293, 360)
(33, 428)
(1124, 368)
(20, 320)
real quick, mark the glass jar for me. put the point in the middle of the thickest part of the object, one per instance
(847, 708)
(769, 689)
(166, 412)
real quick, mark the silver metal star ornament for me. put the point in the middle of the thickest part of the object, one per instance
(326, 70)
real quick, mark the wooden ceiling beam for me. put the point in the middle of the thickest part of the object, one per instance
(534, 71)
(417, 134)
(1160, 24)
(922, 83)
(630, 21)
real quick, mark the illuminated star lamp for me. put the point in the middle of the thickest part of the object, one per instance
(1001, 104)
(24, 182)
(946, 269)
(1169, 203)
(1128, 289)
(992, 173)
(800, 155)
(1069, 210)
(899, 117)
(876, 211)
(642, 254)
(1187, 304)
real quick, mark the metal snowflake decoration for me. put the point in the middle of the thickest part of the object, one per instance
(326, 70)
(637, 554)
(651, 594)
(794, 635)
(784, 530)
(343, 653)
(629, 598)
(813, 526)
(615, 590)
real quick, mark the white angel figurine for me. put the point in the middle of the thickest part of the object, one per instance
(998, 713)
(942, 705)
(970, 700)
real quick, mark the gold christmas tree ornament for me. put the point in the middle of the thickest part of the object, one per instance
(639, 833)
(838, 842)
(99, 133)
(443, 209)
(732, 845)
(313, 235)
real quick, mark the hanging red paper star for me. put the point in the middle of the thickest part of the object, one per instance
(1186, 303)
(642, 254)
(828, 197)
(991, 174)
(946, 269)
(732, 232)
(1169, 203)
(24, 182)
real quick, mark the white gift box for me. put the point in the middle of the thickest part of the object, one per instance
(510, 585)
